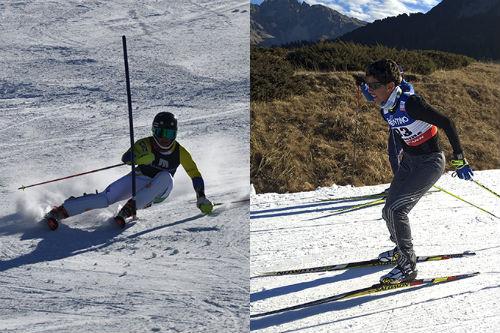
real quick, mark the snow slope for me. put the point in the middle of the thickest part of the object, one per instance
(296, 230)
(63, 111)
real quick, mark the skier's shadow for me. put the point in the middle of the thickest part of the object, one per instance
(289, 316)
(314, 208)
(283, 290)
(67, 241)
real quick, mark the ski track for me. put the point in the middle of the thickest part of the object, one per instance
(64, 111)
(440, 224)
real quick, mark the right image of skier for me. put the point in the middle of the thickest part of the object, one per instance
(157, 158)
(415, 124)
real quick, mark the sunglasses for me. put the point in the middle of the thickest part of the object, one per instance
(164, 133)
(375, 85)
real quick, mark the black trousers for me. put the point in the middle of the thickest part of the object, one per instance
(415, 176)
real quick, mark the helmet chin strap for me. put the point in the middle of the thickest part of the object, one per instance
(163, 147)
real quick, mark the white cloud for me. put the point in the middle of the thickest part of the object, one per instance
(367, 10)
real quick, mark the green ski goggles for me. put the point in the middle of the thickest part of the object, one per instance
(164, 133)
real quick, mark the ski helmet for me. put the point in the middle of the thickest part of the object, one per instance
(165, 126)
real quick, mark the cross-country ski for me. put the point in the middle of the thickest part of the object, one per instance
(376, 288)
(364, 263)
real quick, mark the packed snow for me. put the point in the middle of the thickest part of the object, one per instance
(63, 111)
(289, 231)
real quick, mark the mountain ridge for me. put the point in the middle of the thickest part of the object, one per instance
(458, 26)
(278, 22)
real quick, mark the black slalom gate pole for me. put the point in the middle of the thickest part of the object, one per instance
(131, 123)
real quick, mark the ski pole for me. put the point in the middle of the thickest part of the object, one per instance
(76, 175)
(486, 188)
(356, 125)
(470, 203)
(130, 121)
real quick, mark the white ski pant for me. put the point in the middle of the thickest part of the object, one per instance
(415, 176)
(148, 190)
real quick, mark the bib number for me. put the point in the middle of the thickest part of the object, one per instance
(404, 132)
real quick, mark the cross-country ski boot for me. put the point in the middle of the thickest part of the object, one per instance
(52, 218)
(405, 271)
(126, 211)
(391, 255)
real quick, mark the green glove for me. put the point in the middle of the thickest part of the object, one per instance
(205, 205)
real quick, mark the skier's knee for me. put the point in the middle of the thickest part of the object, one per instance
(385, 213)
(75, 206)
(391, 212)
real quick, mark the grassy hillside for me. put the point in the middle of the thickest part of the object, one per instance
(323, 133)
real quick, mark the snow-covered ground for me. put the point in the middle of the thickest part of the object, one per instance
(63, 110)
(297, 230)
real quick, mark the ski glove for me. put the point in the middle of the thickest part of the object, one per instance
(462, 168)
(205, 205)
(360, 79)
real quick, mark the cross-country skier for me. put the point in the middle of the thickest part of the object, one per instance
(416, 125)
(157, 158)
(394, 147)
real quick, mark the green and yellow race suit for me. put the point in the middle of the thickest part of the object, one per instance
(151, 160)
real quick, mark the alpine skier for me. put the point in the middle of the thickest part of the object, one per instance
(157, 158)
(415, 124)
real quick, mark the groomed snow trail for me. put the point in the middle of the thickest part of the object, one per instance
(63, 111)
(298, 232)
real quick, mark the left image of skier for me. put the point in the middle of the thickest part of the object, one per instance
(157, 158)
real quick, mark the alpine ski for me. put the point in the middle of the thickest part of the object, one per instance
(365, 263)
(376, 288)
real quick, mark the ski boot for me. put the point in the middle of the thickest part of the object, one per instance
(52, 218)
(389, 256)
(405, 270)
(399, 274)
(126, 211)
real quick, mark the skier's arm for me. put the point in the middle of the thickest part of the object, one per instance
(205, 205)
(142, 152)
(360, 83)
(419, 109)
(192, 171)
(407, 87)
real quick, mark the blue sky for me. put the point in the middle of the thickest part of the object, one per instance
(371, 10)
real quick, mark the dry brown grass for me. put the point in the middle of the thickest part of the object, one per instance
(320, 139)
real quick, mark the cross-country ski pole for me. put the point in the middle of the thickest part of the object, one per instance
(486, 188)
(76, 175)
(470, 203)
(355, 138)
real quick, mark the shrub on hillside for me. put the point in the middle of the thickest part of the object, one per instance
(444, 60)
(342, 56)
(271, 76)
(272, 70)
